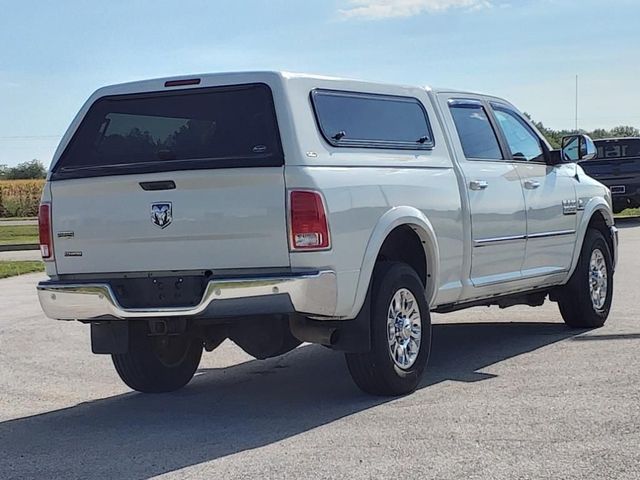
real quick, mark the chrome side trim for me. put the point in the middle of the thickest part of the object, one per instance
(314, 293)
(557, 233)
(484, 242)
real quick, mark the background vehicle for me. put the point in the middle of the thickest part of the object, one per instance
(275, 208)
(618, 167)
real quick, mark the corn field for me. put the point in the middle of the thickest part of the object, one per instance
(20, 198)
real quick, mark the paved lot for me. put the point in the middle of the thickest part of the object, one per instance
(20, 255)
(509, 394)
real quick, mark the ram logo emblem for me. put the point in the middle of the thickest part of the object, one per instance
(161, 214)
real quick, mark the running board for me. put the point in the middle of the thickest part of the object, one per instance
(533, 298)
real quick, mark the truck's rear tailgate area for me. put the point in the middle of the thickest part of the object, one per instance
(231, 218)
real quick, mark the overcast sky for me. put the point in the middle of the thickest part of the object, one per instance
(54, 54)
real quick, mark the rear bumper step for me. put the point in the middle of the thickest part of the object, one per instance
(312, 293)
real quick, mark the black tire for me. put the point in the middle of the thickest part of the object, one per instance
(157, 364)
(574, 299)
(376, 372)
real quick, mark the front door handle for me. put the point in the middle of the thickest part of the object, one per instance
(478, 184)
(531, 184)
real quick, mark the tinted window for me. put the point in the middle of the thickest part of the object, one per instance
(624, 147)
(523, 142)
(571, 149)
(475, 131)
(199, 128)
(351, 119)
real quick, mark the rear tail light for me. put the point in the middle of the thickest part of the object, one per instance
(309, 229)
(44, 229)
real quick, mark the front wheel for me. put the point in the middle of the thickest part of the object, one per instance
(400, 333)
(157, 364)
(585, 301)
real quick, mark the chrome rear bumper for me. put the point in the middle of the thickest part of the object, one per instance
(310, 293)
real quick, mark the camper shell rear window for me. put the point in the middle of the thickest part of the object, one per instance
(199, 128)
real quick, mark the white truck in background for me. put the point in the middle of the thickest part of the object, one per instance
(274, 208)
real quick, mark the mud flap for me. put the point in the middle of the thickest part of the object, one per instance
(110, 337)
(350, 336)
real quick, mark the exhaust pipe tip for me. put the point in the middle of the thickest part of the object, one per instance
(311, 331)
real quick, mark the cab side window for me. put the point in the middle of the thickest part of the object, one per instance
(523, 142)
(476, 134)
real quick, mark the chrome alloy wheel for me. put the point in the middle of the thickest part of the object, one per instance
(404, 328)
(598, 279)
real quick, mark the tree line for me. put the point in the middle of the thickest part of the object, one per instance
(23, 171)
(555, 136)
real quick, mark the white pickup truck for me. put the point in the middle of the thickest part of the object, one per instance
(274, 208)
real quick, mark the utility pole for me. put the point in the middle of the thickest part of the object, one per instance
(576, 103)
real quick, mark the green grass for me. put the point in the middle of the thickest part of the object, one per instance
(629, 212)
(11, 269)
(18, 234)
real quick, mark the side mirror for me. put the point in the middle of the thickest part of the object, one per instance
(576, 148)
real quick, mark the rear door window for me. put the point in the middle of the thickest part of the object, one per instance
(349, 119)
(191, 129)
(474, 129)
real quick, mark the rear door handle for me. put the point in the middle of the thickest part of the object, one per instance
(531, 184)
(478, 184)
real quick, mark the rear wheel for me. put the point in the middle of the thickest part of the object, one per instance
(585, 300)
(400, 333)
(156, 364)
